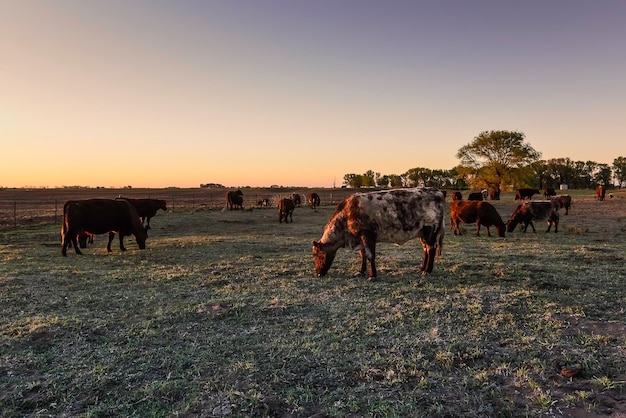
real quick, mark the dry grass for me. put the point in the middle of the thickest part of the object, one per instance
(221, 316)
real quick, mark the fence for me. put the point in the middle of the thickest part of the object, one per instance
(24, 207)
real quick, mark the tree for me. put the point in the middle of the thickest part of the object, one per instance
(619, 169)
(496, 157)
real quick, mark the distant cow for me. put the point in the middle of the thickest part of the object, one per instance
(481, 213)
(475, 196)
(600, 192)
(234, 199)
(537, 210)
(147, 208)
(396, 216)
(548, 192)
(457, 196)
(296, 199)
(522, 194)
(314, 200)
(285, 210)
(99, 216)
(265, 203)
(564, 201)
(494, 193)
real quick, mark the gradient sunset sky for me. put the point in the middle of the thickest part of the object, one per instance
(298, 93)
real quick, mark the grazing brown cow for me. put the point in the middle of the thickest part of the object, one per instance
(395, 216)
(475, 196)
(481, 213)
(234, 199)
(522, 194)
(600, 192)
(494, 193)
(457, 196)
(147, 208)
(99, 216)
(548, 192)
(314, 200)
(534, 210)
(285, 210)
(564, 201)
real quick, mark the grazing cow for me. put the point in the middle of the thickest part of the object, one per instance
(147, 208)
(481, 213)
(395, 216)
(600, 192)
(564, 201)
(264, 203)
(314, 200)
(494, 193)
(99, 216)
(548, 192)
(296, 199)
(475, 196)
(522, 194)
(534, 210)
(234, 199)
(457, 196)
(485, 193)
(285, 210)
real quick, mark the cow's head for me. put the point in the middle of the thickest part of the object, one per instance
(324, 256)
(141, 234)
(515, 219)
(162, 205)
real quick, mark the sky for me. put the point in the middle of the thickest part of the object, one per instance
(298, 93)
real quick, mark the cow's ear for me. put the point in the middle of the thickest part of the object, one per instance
(316, 244)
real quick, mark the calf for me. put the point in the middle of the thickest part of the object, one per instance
(481, 213)
(395, 216)
(600, 192)
(536, 210)
(285, 209)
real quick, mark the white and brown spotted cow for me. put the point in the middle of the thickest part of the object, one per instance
(537, 210)
(394, 216)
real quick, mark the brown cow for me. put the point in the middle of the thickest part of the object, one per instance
(99, 216)
(481, 213)
(494, 193)
(147, 208)
(564, 201)
(314, 200)
(522, 194)
(395, 216)
(285, 210)
(600, 192)
(534, 210)
(234, 199)
(548, 192)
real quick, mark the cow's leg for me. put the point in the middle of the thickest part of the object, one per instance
(363, 263)
(111, 236)
(368, 253)
(121, 236)
(477, 229)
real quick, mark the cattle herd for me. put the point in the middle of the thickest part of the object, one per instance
(358, 222)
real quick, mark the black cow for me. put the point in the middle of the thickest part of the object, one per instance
(534, 210)
(548, 192)
(234, 199)
(395, 216)
(296, 199)
(457, 196)
(564, 201)
(99, 216)
(147, 208)
(475, 196)
(522, 194)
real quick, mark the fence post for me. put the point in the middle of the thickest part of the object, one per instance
(15, 214)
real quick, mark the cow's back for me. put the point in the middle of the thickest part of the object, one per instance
(99, 216)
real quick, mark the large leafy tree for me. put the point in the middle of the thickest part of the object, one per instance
(496, 158)
(619, 169)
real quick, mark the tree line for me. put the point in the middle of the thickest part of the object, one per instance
(500, 160)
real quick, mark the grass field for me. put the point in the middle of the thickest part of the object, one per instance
(221, 316)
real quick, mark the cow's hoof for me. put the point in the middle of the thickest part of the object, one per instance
(372, 279)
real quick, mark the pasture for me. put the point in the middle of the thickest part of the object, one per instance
(221, 316)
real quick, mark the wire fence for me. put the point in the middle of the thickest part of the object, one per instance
(26, 207)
